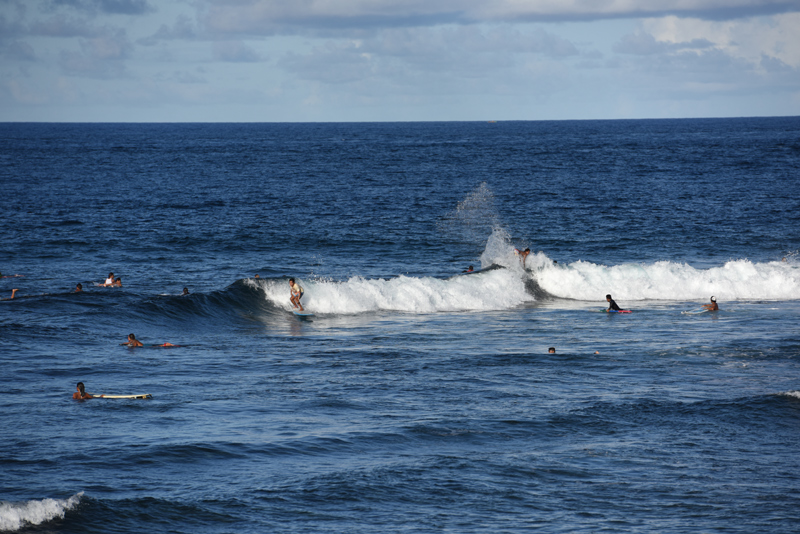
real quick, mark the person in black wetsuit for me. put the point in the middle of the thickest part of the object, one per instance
(612, 306)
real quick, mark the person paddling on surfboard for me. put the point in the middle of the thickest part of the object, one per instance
(713, 306)
(133, 342)
(297, 294)
(612, 306)
(81, 393)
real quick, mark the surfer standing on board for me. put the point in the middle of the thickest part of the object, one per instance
(81, 393)
(713, 306)
(297, 293)
(612, 306)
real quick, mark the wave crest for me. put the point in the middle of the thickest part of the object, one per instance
(15, 516)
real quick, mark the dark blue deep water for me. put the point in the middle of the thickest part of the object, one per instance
(418, 398)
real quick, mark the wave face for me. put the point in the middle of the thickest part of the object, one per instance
(15, 516)
(494, 290)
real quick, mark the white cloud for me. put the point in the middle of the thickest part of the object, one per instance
(268, 17)
(776, 37)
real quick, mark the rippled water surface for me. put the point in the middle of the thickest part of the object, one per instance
(418, 398)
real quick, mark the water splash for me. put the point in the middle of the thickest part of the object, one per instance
(15, 516)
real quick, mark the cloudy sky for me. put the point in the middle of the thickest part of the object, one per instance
(381, 60)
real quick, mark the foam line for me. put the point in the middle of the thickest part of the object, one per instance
(15, 516)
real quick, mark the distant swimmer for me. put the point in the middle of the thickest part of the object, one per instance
(258, 276)
(713, 306)
(297, 294)
(118, 282)
(81, 394)
(78, 288)
(551, 350)
(612, 306)
(469, 269)
(132, 341)
(185, 291)
(110, 280)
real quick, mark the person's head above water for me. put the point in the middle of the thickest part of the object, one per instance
(713, 299)
(131, 336)
(551, 350)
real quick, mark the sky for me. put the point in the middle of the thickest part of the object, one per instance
(401, 60)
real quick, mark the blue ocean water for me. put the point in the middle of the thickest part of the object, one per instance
(418, 398)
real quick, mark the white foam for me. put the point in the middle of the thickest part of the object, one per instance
(494, 290)
(665, 280)
(795, 394)
(14, 516)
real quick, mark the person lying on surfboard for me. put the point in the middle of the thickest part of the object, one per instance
(109, 281)
(81, 393)
(713, 306)
(133, 342)
(612, 306)
(297, 294)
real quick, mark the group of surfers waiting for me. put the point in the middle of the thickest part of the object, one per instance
(111, 281)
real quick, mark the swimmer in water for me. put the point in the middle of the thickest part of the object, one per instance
(551, 350)
(81, 394)
(185, 291)
(611, 304)
(297, 294)
(469, 269)
(132, 341)
(713, 306)
(109, 281)
(118, 282)
(78, 288)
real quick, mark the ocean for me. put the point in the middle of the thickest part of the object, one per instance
(418, 398)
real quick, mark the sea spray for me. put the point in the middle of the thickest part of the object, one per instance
(474, 218)
(15, 516)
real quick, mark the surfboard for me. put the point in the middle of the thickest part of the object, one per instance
(618, 311)
(302, 313)
(693, 312)
(143, 396)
